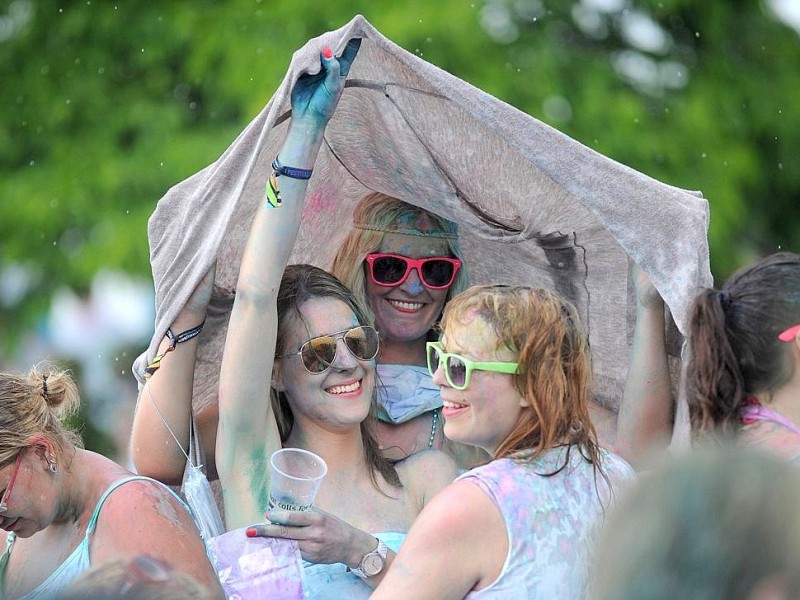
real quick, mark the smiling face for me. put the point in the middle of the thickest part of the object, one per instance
(339, 397)
(405, 313)
(485, 413)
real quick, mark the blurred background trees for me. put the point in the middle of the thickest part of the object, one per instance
(104, 106)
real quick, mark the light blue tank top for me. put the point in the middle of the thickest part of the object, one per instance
(77, 562)
(335, 582)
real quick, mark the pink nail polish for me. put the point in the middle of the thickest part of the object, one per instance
(326, 52)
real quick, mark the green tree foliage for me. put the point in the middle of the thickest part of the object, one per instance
(104, 106)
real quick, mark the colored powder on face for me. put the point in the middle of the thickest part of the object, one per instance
(416, 288)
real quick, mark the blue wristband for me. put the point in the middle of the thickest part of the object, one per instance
(292, 172)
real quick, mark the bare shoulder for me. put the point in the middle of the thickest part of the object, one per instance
(426, 473)
(451, 517)
(144, 516)
(143, 502)
(438, 558)
(461, 502)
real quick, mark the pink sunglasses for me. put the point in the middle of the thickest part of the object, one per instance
(389, 270)
(10, 486)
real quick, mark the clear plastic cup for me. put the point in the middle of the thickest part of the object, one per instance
(295, 478)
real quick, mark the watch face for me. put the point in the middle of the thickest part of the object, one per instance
(373, 565)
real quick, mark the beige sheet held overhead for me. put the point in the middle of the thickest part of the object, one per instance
(533, 205)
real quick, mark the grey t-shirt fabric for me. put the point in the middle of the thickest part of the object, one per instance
(533, 206)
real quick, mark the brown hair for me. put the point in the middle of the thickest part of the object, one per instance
(299, 284)
(733, 341)
(376, 215)
(545, 333)
(36, 403)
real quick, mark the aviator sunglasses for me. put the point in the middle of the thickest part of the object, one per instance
(319, 352)
(458, 369)
(389, 270)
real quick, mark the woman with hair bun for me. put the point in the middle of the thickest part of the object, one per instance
(66, 508)
(743, 376)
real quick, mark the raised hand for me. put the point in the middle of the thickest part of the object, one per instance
(314, 97)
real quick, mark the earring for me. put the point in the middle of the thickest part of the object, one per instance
(53, 467)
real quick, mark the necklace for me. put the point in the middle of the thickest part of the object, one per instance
(434, 421)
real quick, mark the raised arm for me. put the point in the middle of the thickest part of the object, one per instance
(165, 401)
(247, 433)
(644, 424)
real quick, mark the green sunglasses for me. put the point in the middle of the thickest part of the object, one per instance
(458, 368)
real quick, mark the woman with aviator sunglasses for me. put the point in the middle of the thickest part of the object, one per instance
(513, 369)
(299, 337)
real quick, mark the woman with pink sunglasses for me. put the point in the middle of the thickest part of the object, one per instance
(405, 263)
(743, 376)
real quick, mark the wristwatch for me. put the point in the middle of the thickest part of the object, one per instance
(373, 562)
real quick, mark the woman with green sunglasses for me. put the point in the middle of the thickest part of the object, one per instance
(513, 368)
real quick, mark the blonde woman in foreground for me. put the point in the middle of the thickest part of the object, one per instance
(67, 509)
